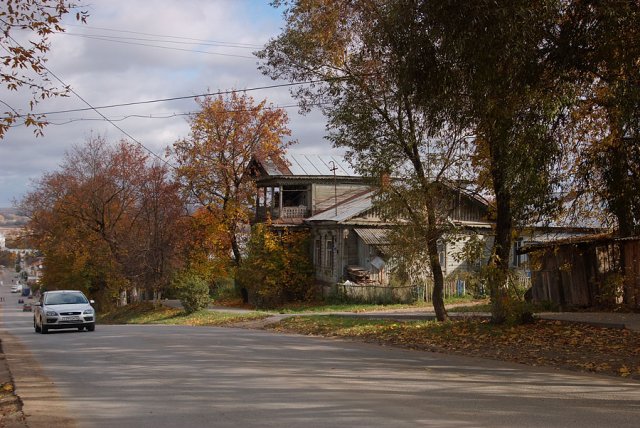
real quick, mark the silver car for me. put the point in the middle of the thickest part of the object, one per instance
(63, 309)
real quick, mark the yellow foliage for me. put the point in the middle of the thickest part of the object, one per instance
(278, 268)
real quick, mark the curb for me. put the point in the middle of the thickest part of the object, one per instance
(11, 415)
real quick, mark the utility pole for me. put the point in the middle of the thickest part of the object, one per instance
(334, 168)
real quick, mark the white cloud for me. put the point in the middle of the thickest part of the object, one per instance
(105, 73)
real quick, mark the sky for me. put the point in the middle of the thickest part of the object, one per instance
(141, 50)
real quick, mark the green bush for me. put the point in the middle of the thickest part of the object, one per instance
(192, 291)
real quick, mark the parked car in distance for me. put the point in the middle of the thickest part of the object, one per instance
(16, 288)
(27, 307)
(63, 309)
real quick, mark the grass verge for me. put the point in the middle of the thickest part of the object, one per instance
(558, 344)
(147, 313)
(370, 307)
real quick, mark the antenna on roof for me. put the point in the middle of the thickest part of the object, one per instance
(334, 168)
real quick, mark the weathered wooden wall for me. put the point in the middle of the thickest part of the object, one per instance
(632, 273)
(587, 274)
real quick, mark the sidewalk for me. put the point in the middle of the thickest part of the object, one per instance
(630, 321)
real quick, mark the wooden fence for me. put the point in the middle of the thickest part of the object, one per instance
(375, 293)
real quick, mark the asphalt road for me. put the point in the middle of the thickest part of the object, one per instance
(165, 376)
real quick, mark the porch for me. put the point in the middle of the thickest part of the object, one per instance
(283, 202)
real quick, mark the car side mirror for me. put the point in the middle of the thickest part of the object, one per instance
(92, 302)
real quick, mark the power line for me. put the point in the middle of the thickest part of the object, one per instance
(99, 113)
(111, 119)
(185, 97)
(166, 116)
(160, 47)
(175, 42)
(248, 45)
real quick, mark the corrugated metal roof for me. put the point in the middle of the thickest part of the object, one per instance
(302, 165)
(373, 236)
(318, 165)
(346, 210)
(277, 167)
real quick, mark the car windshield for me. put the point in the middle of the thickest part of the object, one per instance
(65, 299)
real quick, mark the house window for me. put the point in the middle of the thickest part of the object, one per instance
(442, 255)
(276, 198)
(329, 254)
(519, 260)
(317, 257)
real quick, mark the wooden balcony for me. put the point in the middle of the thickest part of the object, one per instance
(300, 211)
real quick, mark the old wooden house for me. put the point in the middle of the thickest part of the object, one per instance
(324, 195)
(357, 232)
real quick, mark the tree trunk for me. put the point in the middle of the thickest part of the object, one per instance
(438, 281)
(235, 248)
(620, 202)
(499, 262)
(625, 229)
(433, 234)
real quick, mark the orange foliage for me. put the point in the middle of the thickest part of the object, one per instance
(212, 162)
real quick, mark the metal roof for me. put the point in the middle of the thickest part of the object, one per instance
(373, 236)
(309, 165)
(319, 165)
(346, 210)
(571, 240)
(600, 238)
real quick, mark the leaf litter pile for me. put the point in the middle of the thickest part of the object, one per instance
(565, 345)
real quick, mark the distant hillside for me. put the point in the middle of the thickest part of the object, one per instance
(10, 217)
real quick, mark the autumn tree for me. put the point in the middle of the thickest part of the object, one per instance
(278, 267)
(7, 258)
(598, 47)
(25, 27)
(108, 221)
(510, 94)
(599, 51)
(359, 51)
(212, 161)
(161, 224)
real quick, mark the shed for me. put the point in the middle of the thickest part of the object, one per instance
(589, 271)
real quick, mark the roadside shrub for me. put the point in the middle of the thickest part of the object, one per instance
(192, 291)
(278, 268)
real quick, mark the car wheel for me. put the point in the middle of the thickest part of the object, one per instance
(43, 328)
(91, 327)
(35, 326)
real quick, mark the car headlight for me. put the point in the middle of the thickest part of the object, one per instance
(52, 314)
(88, 311)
